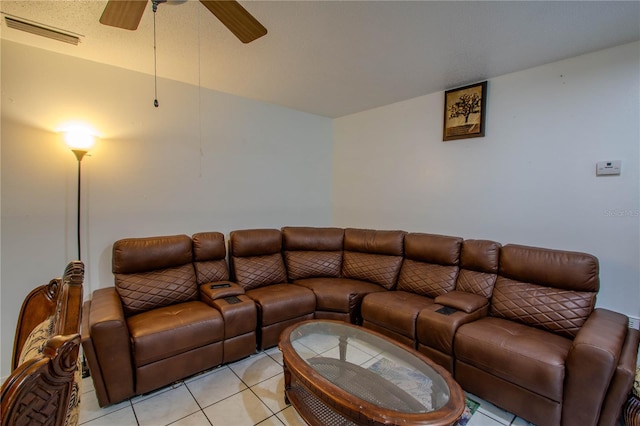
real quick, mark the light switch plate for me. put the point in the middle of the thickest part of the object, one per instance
(611, 167)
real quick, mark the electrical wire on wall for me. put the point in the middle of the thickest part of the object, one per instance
(199, 104)
(155, 60)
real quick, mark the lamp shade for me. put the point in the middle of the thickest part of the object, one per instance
(78, 138)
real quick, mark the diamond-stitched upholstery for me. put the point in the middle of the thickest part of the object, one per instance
(553, 290)
(374, 256)
(375, 268)
(479, 262)
(154, 272)
(313, 264)
(480, 283)
(209, 255)
(213, 270)
(431, 263)
(148, 290)
(427, 279)
(560, 311)
(256, 257)
(312, 252)
(257, 271)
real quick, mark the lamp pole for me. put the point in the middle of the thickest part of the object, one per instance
(79, 154)
(80, 140)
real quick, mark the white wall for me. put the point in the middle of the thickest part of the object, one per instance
(202, 161)
(531, 180)
(209, 161)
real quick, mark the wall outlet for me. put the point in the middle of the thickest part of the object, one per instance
(634, 323)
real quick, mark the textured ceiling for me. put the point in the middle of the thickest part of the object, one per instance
(334, 58)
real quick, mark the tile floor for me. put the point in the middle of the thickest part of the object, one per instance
(246, 392)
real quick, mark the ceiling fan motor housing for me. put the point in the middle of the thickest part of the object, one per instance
(127, 14)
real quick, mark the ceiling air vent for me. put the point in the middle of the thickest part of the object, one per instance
(41, 31)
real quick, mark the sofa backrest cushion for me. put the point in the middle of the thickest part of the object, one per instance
(554, 268)
(431, 264)
(256, 258)
(312, 252)
(132, 255)
(479, 261)
(553, 290)
(373, 256)
(154, 272)
(209, 254)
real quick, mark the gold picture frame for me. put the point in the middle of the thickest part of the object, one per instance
(465, 112)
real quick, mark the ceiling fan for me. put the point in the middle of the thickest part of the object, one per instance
(128, 13)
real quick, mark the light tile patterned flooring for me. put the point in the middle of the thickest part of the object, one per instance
(244, 393)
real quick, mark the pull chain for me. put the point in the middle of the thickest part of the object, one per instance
(155, 61)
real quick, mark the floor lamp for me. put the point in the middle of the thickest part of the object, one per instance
(80, 141)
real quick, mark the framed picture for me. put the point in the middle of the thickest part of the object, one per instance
(464, 112)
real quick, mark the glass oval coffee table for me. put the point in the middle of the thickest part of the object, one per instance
(341, 374)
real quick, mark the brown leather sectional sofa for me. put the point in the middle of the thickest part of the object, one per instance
(515, 325)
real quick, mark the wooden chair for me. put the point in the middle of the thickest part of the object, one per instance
(44, 386)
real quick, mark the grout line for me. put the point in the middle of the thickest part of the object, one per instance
(197, 403)
(497, 418)
(135, 416)
(84, 395)
(489, 416)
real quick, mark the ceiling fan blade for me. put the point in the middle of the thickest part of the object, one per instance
(123, 13)
(236, 19)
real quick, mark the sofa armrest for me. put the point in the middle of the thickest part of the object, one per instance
(108, 343)
(436, 327)
(591, 363)
(212, 291)
(622, 381)
(462, 301)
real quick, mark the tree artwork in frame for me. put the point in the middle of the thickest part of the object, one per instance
(464, 112)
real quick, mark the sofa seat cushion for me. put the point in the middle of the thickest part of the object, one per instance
(339, 294)
(395, 310)
(165, 332)
(525, 356)
(281, 302)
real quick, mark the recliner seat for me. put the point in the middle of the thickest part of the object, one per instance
(257, 266)
(537, 344)
(430, 268)
(342, 266)
(153, 328)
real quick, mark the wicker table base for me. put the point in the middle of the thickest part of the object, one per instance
(632, 412)
(312, 409)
